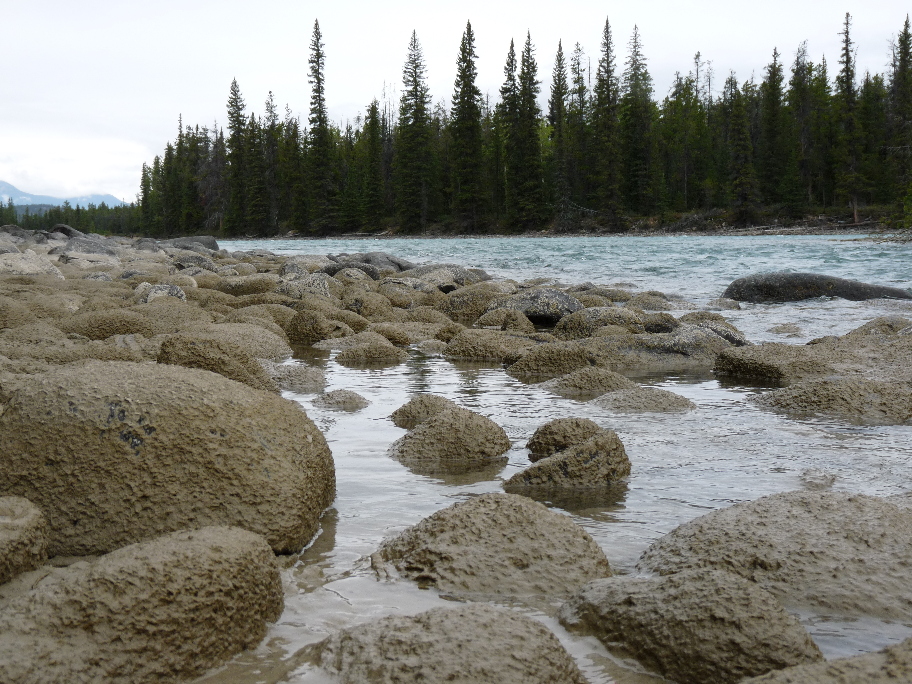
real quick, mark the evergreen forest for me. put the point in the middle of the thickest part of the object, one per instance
(806, 138)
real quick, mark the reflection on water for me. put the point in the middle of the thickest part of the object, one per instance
(683, 465)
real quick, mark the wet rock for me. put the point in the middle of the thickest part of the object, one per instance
(372, 354)
(366, 270)
(372, 306)
(452, 441)
(419, 408)
(588, 382)
(790, 329)
(344, 400)
(308, 327)
(551, 360)
(192, 241)
(23, 537)
(584, 323)
(467, 644)
(762, 288)
(447, 277)
(506, 319)
(150, 448)
(695, 626)
(774, 361)
(362, 338)
(27, 263)
(842, 554)
(295, 376)
(316, 283)
(380, 260)
(427, 314)
(650, 301)
(644, 400)
(559, 434)
(99, 325)
(467, 304)
(725, 304)
(883, 325)
(871, 402)
(598, 462)
(541, 306)
(394, 332)
(258, 342)
(889, 666)
(487, 345)
(305, 263)
(496, 544)
(216, 355)
(163, 610)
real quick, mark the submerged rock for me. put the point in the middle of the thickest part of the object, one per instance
(855, 399)
(117, 452)
(591, 381)
(374, 353)
(644, 400)
(793, 287)
(163, 610)
(467, 644)
(496, 544)
(838, 553)
(598, 462)
(694, 626)
(345, 400)
(23, 537)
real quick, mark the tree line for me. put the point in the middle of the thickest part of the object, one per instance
(607, 152)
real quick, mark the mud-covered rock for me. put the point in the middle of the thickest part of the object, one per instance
(843, 554)
(23, 537)
(372, 354)
(588, 382)
(117, 452)
(544, 306)
(793, 287)
(256, 340)
(452, 441)
(496, 544)
(872, 402)
(559, 434)
(695, 626)
(552, 360)
(344, 400)
(162, 610)
(644, 400)
(418, 409)
(598, 462)
(463, 645)
(488, 345)
(216, 355)
(308, 327)
(467, 304)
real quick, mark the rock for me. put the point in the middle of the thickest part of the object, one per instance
(99, 276)
(694, 626)
(216, 355)
(7, 247)
(418, 409)
(146, 293)
(85, 245)
(649, 301)
(541, 306)
(117, 452)
(394, 332)
(427, 314)
(316, 283)
(372, 354)
(23, 537)
(487, 345)
(552, 360)
(294, 376)
(598, 462)
(467, 304)
(100, 325)
(782, 286)
(589, 382)
(872, 402)
(447, 277)
(66, 230)
(305, 263)
(506, 319)
(308, 327)
(889, 666)
(350, 341)
(163, 610)
(883, 325)
(584, 323)
(380, 260)
(452, 441)
(840, 554)
(462, 645)
(345, 400)
(258, 342)
(366, 270)
(496, 545)
(559, 434)
(372, 306)
(248, 285)
(644, 400)
(190, 241)
(27, 263)
(725, 304)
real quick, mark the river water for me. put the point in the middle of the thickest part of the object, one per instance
(726, 451)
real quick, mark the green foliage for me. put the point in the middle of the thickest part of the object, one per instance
(465, 129)
(413, 162)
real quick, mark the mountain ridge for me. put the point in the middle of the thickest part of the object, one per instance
(21, 198)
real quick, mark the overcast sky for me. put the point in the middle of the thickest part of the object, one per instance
(90, 90)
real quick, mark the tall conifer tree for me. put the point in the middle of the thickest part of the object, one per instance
(465, 127)
(557, 120)
(529, 188)
(637, 119)
(849, 179)
(773, 156)
(507, 127)
(236, 210)
(319, 155)
(606, 143)
(743, 177)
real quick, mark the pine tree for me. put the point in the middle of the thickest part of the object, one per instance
(271, 135)
(525, 137)
(320, 149)
(606, 143)
(743, 177)
(850, 181)
(413, 152)
(557, 120)
(257, 199)
(638, 142)
(507, 124)
(772, 156)
(465, 129)
(578, 135)
(372, 205)
(236, 209)
(145, 199)
(901, 115)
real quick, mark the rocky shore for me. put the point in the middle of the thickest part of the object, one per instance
(152, 475)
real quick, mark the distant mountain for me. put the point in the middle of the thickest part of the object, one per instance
(21, 198)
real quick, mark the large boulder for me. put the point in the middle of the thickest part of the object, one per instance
(373, 353)
(307, 327)
(644, 400)
(162, 610)
(216, 355)
(462, 645)
(588, 382)
(695, 626)
(496, 544)
(467, 304)
(861, 401)
(452, 441)
(597, 463)
(889, 666)
(488, 345)
(419, 408)
(115, 452)
(23, 537)
(559, 434)
(775, 361)
(782, 286)
(256, 340)
(838, 553)
(544, 306)
(28, 263)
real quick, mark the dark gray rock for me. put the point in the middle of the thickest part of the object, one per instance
(17, 232)
(794, 287)
(206, 241)
(69, 231)
(200, 260)
(541, 306)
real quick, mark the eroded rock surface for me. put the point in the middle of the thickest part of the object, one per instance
(23, 537)
(419, 408)
(598, 462)
(794, 287)
(559, 434)
(644, 400)
(855, 399)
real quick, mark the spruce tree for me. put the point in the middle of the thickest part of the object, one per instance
(319, 155)
(637, 135)
(145, 199)
(236, 209)
(743, 177)
(526, 139)
(372, 206)
(507, 124)
(849, 179)
(772, 155)
(606, 143)
(465, 128)
(257, 198)
(901, 114)
(413, 152)
(578, 134)
(557, 120)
